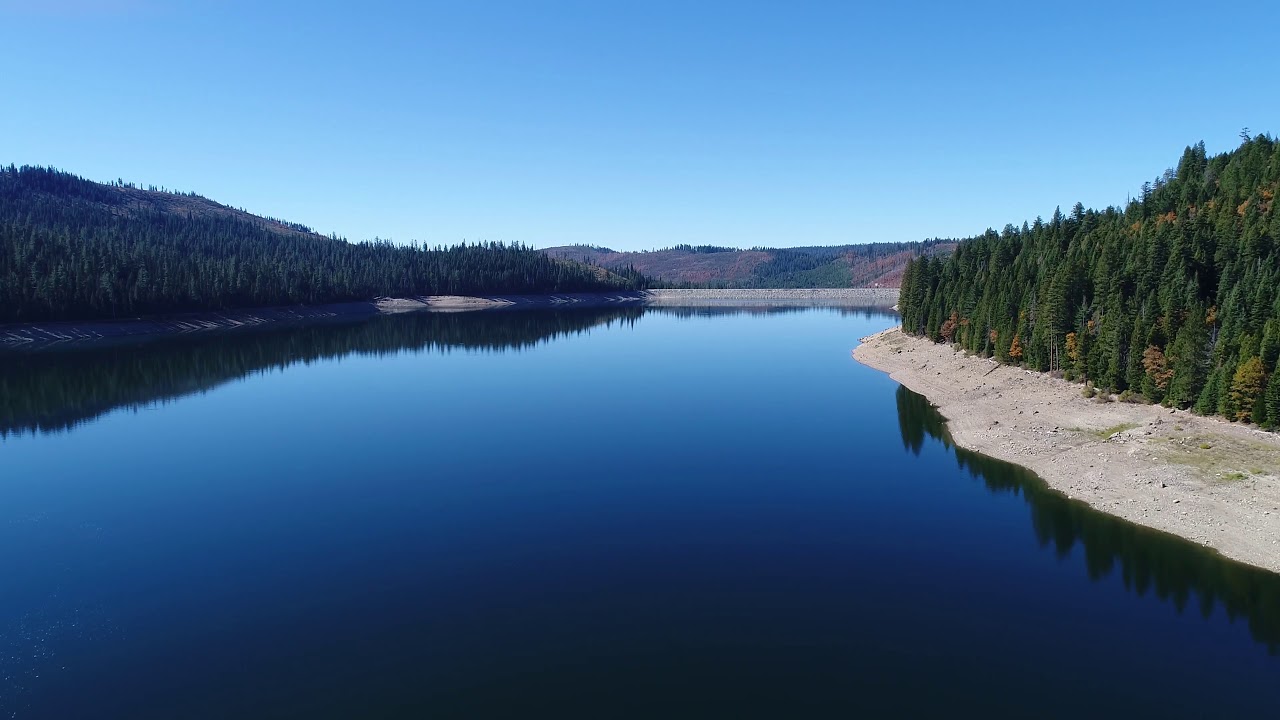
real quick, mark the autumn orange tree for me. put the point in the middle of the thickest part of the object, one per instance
(1015, 349)
(948, 329)
(1158, 372)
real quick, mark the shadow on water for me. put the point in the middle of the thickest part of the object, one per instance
(56, 390)
(1148, 561)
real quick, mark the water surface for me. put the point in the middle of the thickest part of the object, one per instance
(584, 513)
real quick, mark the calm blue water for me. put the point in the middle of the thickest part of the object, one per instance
(573, 514)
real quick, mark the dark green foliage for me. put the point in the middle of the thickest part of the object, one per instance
(1271, 401)
(73, 249)
(1167, 296)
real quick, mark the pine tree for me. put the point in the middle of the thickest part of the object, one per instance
(1170, 295)
(71, 249)
(1273, 401)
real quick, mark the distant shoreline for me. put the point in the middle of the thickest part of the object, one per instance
(1212, 482)
(55, 334)
(825, 297)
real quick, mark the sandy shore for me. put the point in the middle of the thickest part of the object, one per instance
(817, 297)
(53, 334)
(461, 303)
(1210, 481)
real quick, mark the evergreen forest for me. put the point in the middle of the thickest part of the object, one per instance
(73, 249)
(1173, 298)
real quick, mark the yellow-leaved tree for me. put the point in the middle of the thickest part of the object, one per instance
(1246, 388)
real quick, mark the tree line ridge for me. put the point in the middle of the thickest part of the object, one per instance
(1173, 298)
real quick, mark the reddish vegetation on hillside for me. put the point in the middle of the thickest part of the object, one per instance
(873, 265)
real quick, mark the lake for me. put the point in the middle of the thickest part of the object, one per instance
(584, 513)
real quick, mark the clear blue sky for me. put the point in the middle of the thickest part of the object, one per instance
(633, 124)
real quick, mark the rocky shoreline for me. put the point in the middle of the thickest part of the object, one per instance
(1209, 481)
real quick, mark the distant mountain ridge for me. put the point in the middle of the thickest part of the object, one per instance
(869, 265)
(73, 249)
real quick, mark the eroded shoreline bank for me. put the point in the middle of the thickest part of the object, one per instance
(1209, 481)
(53, 334)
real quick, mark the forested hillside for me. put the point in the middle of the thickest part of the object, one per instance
(1174, 298)
(74, 249)
(869, 265)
